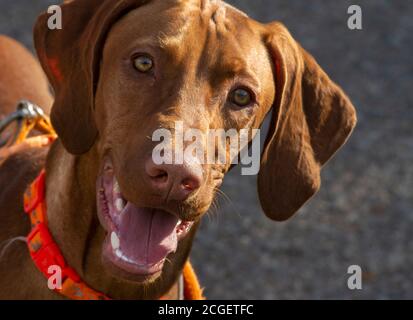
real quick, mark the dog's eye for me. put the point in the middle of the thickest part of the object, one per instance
(143, 63)
(241, 97)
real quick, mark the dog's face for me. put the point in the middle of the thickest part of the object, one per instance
(180, 63)
(148, 65)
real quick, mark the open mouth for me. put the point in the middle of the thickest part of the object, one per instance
(138, 239)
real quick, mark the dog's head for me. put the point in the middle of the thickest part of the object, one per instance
(123, 69)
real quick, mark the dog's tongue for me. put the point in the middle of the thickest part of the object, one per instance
(147, 236)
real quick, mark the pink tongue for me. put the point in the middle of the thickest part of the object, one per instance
(147, 236)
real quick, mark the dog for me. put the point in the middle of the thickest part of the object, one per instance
(122, 69)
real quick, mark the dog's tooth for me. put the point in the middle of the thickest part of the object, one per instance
(114, 239)
(118, 253)
(179, 222)
(119, 204)
(121, 256)
(116, 187)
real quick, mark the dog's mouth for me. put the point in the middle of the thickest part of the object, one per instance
(138, 239)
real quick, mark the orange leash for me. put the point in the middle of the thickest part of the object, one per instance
(192, 289)
(27, 118)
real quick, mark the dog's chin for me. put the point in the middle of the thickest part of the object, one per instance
(143, 277)
(138, 239)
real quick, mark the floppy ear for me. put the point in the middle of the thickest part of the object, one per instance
(71, 57)
(312, 118)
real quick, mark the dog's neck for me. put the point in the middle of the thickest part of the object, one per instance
(73, 221)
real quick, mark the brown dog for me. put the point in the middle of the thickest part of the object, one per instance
(122, 69)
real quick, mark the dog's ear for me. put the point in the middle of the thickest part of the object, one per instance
(312, 117)
(71, 57)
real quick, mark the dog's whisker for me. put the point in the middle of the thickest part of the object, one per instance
(213, 211)
(229, 200)
(168, 261)
(7, 243)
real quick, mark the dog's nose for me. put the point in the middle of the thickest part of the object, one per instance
(179, 180)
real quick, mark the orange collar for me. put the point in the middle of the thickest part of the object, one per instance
(45, 252)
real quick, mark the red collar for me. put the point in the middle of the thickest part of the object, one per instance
(45, 252)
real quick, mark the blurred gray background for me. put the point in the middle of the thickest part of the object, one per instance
(363, 213)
